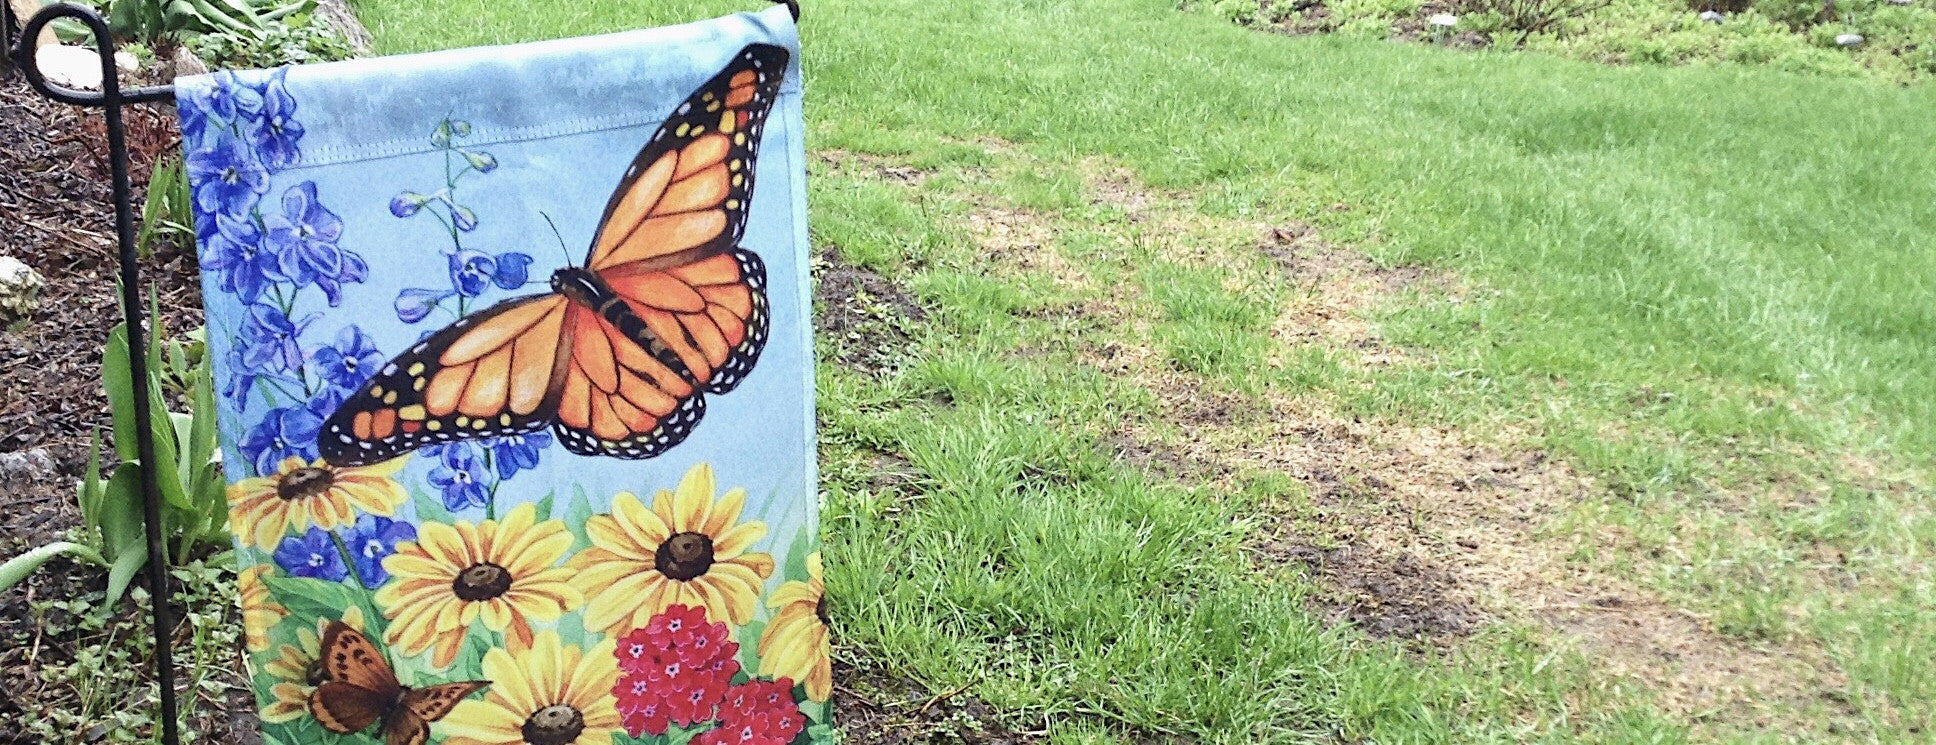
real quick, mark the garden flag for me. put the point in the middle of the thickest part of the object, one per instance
(511, 351)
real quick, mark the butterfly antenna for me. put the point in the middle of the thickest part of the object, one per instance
(562, 248)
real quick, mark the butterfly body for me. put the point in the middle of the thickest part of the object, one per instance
(619, 356)
(356, 689)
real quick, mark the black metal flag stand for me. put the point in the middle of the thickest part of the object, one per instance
(21, 51)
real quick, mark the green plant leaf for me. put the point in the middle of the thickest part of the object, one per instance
(18, 567)
(118, 381)
(132, 557)
(430, 509)
(310, 599)
(578, 511)
(121, 517)
(90, 490)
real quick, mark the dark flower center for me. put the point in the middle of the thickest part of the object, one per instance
(685, 556)
(556, 724)
(350, 362)
(820, 609)
(232, 176)
(303, 482)
(482, 582)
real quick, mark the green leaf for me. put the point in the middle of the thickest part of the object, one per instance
(543, 506)
(90, 491)
(202, 448)
(18, 567)
(578, 512)
(122, 521)
(430, 509)
(131, 558)
(119, 382)
(804, 542)
(310, 599)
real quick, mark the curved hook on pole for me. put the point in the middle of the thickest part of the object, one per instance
(25, 57)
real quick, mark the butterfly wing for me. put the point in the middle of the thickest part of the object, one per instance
(489, 374)
(669, 240)
(404, 727)
(685, 195)
(344, 708)
(431, 703)
(617, 399)
(348, 657)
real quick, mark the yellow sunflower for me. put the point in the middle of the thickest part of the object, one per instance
(504, 573)
(264, 508)
(797, 644)
(259, 612)
(686, 550)
(296, 671)
(542, 693)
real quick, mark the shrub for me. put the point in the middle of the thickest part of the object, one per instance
(1528, 17)
(279, 43)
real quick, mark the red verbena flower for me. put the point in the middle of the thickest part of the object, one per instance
(756, 712)
(674, 670)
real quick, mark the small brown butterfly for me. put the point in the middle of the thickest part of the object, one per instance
(359, 688)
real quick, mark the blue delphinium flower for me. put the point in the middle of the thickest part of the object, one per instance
(518, 452)
(276, 138)
(313, 555)
(460, 474)
(217, 105)
(234, 248)
(288, 432)
(373, 538)
(349, 361)
(473, 272)
(304, 239)
(268, 339)
(227, 176)
(414, 303)
(241, 378)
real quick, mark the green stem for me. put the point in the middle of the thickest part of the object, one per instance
(490, 498)
(349, 558)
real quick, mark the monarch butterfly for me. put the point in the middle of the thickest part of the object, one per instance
(356, 688)
(618, 356)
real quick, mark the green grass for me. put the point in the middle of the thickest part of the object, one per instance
(1707, 288)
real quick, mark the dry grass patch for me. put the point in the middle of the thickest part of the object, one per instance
(1414, 532)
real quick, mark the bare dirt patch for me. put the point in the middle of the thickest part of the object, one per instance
(875, 707)
(866, 320)
(876, 166)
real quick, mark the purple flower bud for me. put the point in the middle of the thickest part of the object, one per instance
(407, 204)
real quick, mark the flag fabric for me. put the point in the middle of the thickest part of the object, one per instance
(512, 360)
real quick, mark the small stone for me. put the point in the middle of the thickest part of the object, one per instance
(126, 61)
(1443, 20)
(1712, 16)
(186, 63)
(70, 67)
(19, 289)
(26, 466)
(1902, 2)
(1848, 40)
